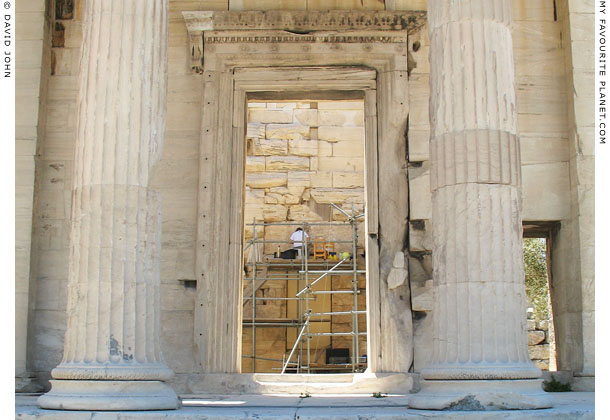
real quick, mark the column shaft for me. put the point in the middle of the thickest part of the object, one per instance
(479, 313)
(113, 284)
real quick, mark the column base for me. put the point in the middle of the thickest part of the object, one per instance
(109, 396)
(480, 395)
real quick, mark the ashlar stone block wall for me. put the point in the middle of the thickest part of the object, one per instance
(540, 343)
(556, 142)
(301, 156)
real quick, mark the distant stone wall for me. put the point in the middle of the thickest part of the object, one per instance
(539, 342)
(300, 158)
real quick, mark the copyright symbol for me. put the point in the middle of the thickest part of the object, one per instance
(7, 4)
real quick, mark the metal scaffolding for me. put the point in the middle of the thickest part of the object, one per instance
(306, 273)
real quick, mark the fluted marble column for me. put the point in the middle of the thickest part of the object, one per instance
(479, 313)
(112, 358)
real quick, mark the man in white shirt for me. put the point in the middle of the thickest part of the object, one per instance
(297, 239)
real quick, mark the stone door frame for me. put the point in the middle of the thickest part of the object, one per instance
(247, 61)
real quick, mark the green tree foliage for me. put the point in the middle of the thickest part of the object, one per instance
(536, 281)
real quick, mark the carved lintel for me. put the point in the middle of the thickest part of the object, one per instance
(282, 26)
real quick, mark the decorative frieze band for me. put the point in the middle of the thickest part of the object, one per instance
(304, 21)
(291, 38)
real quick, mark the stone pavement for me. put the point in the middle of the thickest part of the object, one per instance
(569, 405)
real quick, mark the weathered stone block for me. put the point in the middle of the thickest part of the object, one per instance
(257, 105)
(255, 130)
(269, 116)
(179, 144)
(338, 196)
(249, 231)
(286, 131)
(540, 352)
(417, 273)
(275, 213)
(334, 134)
(303, 147)
(299, 179)
(348, 149)
(341, 105)
(325, 148)
(419, 144)
(286, 163)
(175, 173)
(184, 116)
(419, 112)
(348, 180)
(420, 235)
(269, 147)
(341, 118)
(271, 198)
(301, 212)
(184, 88)
(279, 233)
(340, 164)
(544, 191)
(175, 297)
(314, 164)
(532, 11)
(266, 180)
(284, 195)
(255, 164)
(422, 297)
(322, 179)
(535, 337)
(543, 149)
(419, 190)
(307, 117)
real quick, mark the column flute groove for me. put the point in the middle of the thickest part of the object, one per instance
(112, 357)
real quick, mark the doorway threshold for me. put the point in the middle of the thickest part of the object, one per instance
(271, 383)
